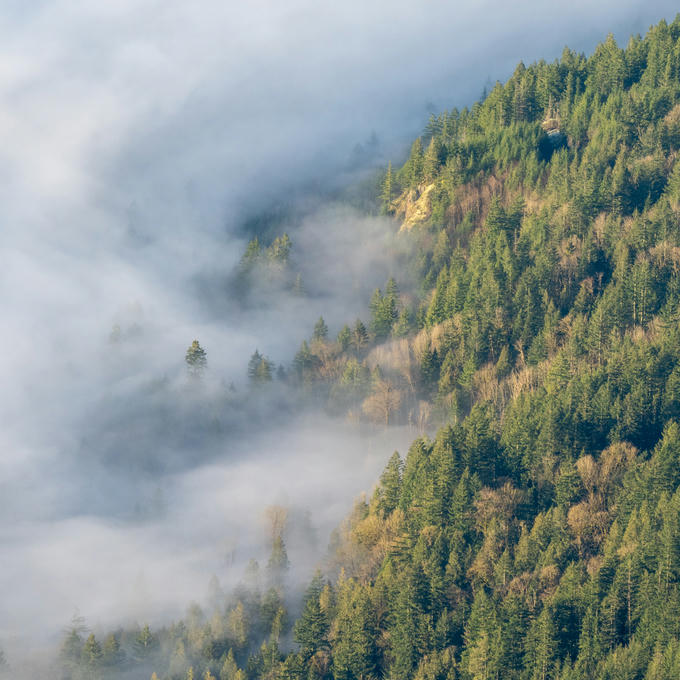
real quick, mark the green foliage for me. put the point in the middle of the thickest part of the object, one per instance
(320, 330)
(384, 310)
(360, 335)
(260, 369)
(355, 650)
(311, 629)
(263, 270)
(387, 191)
(536, 536)
(345, 338)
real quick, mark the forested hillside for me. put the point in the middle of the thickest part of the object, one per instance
(537, 535)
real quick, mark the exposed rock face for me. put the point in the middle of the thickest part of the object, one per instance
(414, 206)
(552, 127)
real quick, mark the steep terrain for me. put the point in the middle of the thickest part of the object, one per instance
(537, 534)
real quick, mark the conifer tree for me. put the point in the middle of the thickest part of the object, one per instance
(91, 654)
(414, 164)
(311, 629)
(196, 359)
(344, 338)
(112, 654)
(320, 330)
(404, 324)
(278, 563)
(259, 369)
(354, 650)
(229, 667)
(252, 254)
(387, 191)
(360, 335)
(390, 485)
(145, 642)
(432, 159)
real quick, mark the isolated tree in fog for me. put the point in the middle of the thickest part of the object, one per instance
(72, 645)
(196, 359)
(298, 286)
(278, 560)
(320, 330)
(259, 369)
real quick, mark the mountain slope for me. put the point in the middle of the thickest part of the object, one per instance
(538, 534)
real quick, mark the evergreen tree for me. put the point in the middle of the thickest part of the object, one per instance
(278, 563)
(414, 165)
(252, 254)
(196, 359)
(360, 335)
(404, 324)
(112, 653)
(354, 650)
(298, 286)
(91, 654)
(387, 191)
(311, 629)
(344, 338)
(145, 642)
(320, 330)
(259, 369)
(390, 485)
(279, 251)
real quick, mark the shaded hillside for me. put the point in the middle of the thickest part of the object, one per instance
(537, 535)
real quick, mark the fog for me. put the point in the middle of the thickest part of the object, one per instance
(156, 551)
(139, 139)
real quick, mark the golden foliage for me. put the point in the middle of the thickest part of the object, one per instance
(383, 402)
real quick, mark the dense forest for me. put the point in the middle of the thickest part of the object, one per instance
(536, 535)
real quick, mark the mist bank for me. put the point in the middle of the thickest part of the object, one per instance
(154, 550)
